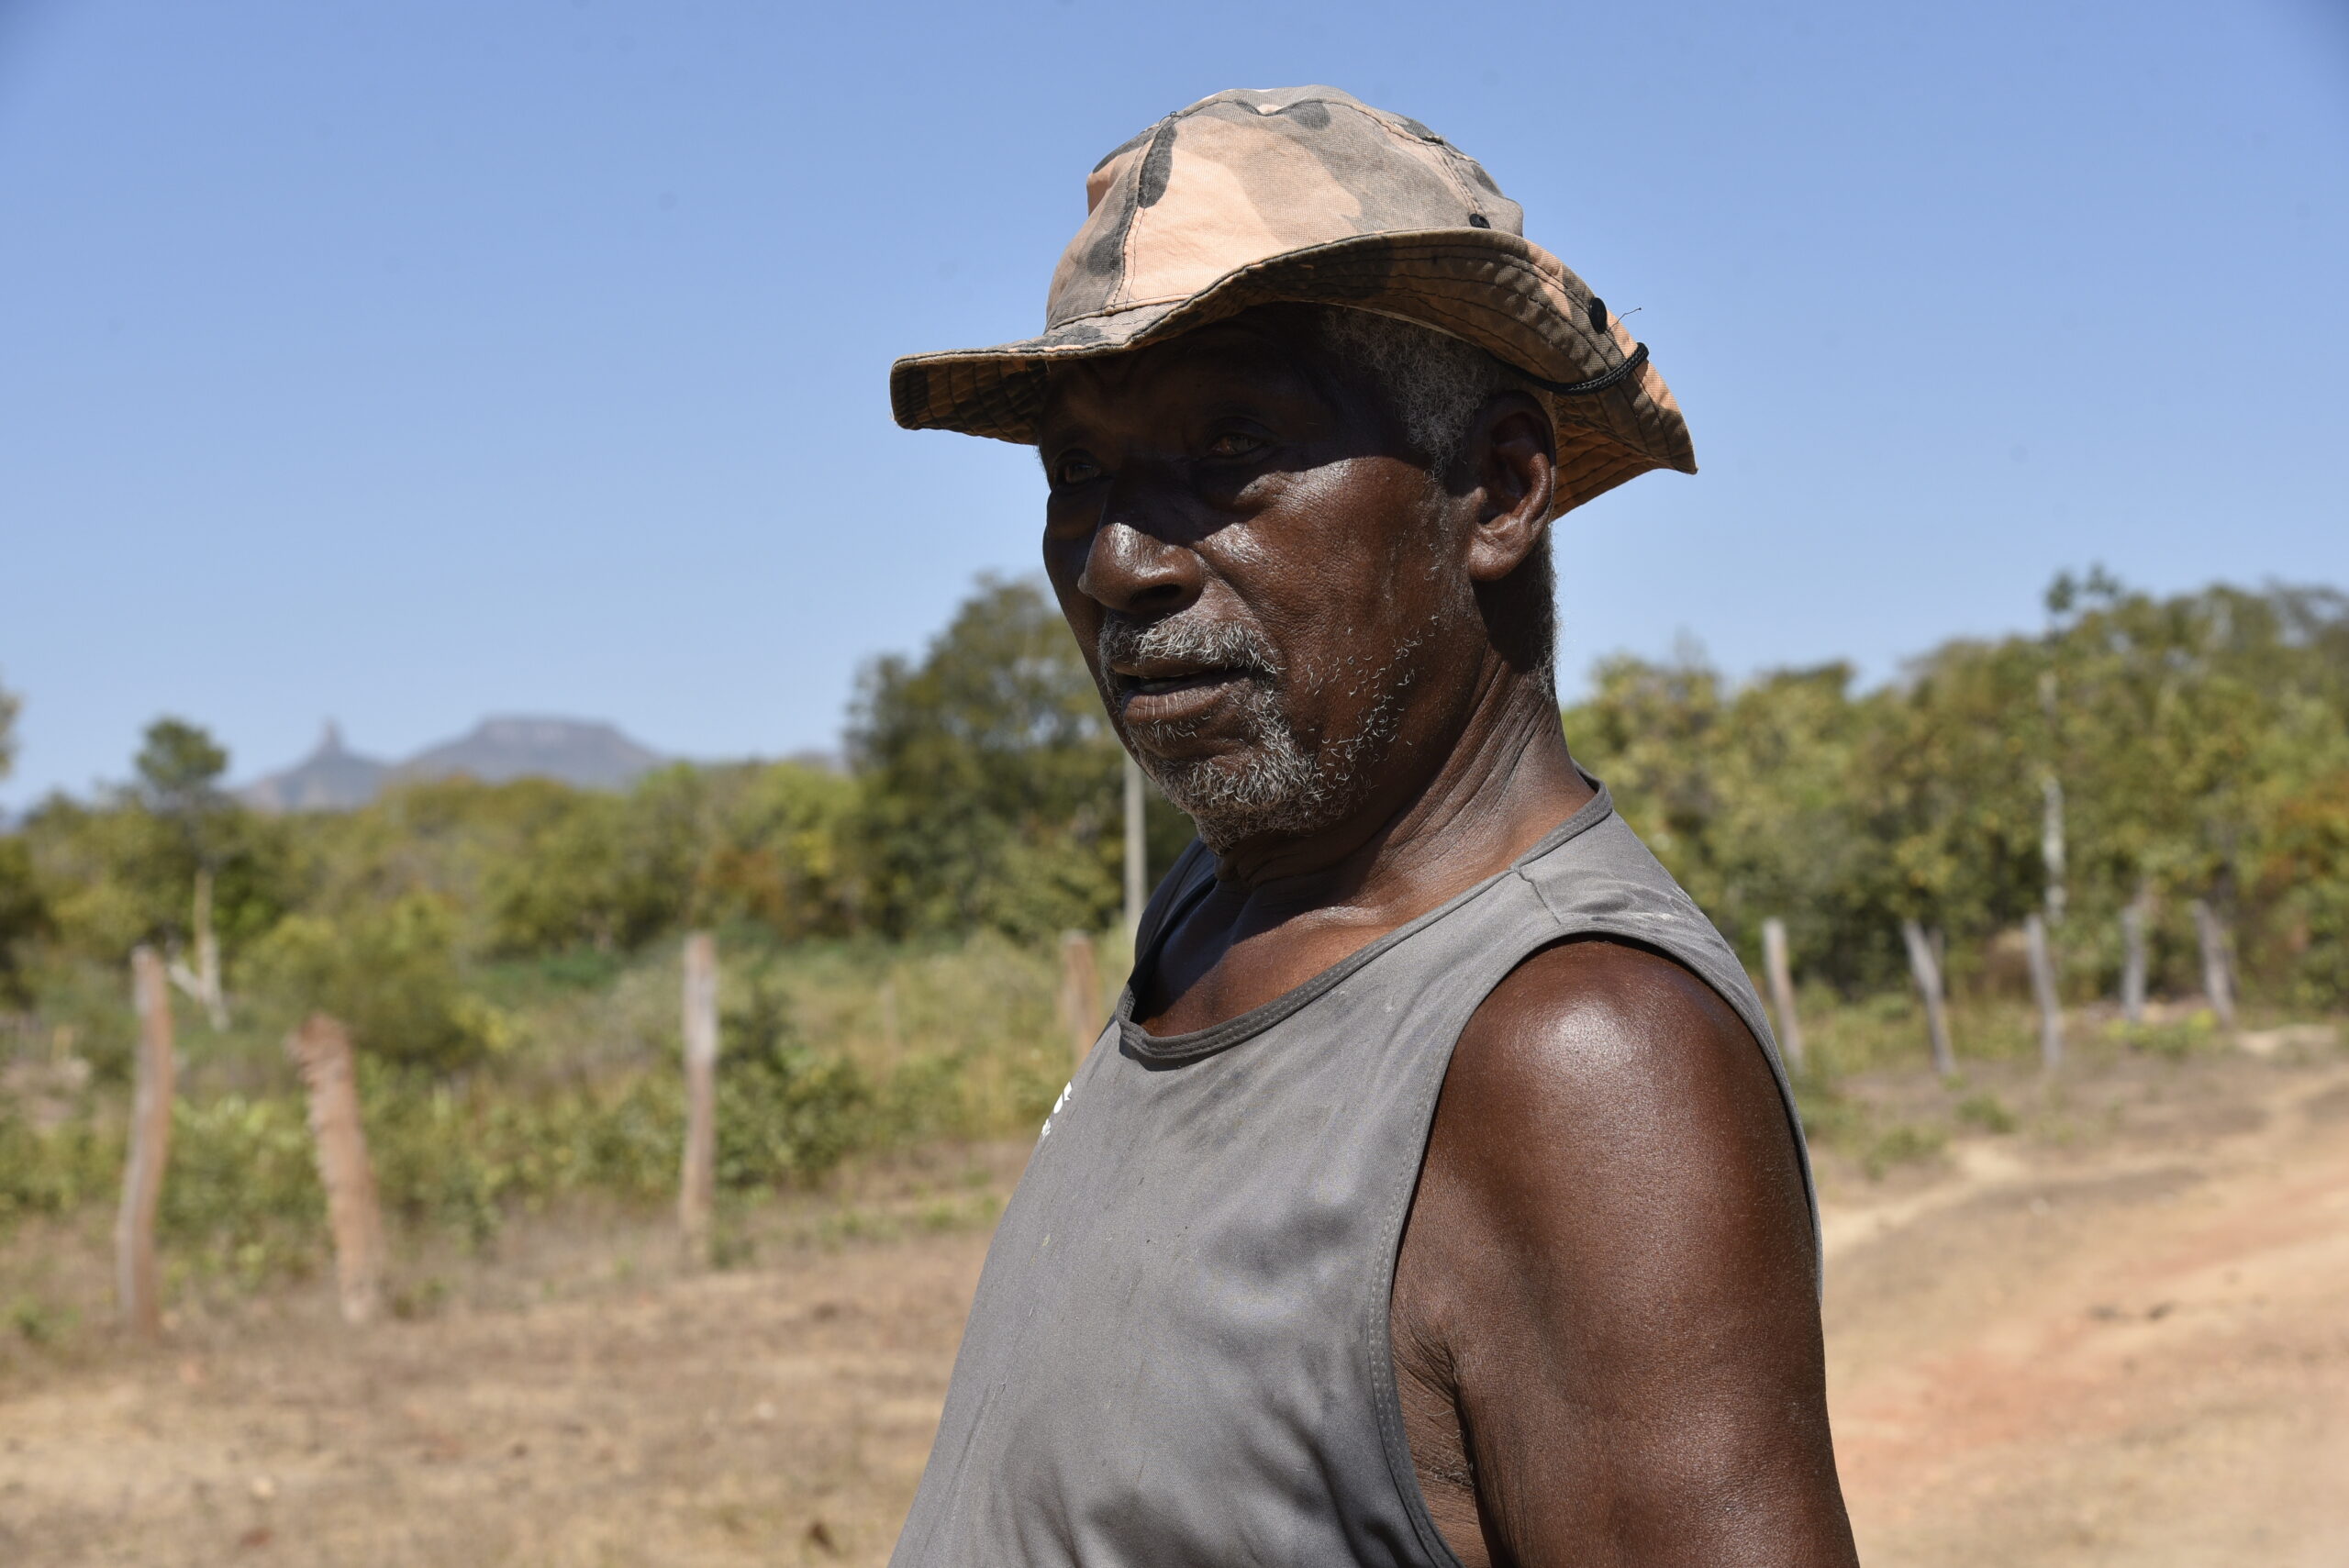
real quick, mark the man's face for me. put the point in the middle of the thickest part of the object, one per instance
(1262, 578)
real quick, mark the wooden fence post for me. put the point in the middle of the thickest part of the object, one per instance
(1927, 970)
(2133, 957)
(2050, 844)
(320, 1050)
(698, 1184)
(202, 983)
(2042, 987)
(1782, 991)
(2218, 985)
(1137, 873)
(1080, 995)
(138, 1286)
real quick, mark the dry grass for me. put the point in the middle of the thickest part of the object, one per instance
(577, 1397)
(2101, 1324)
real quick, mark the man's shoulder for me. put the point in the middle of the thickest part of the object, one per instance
(1597, 1062)
(1605, 1299)
(1595, 1007)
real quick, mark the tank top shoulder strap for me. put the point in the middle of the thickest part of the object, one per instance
(1603, 881)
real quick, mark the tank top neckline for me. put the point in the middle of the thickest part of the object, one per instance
(1174, 1049)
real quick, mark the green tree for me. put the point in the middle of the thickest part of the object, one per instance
(179, 772)
(2201, 744)
(2302, 894)
(991, 780)
(10, 704)
(388, 970)
(685, 846)
(179, 768)
(1747, 795)
(781, 852)
(1949, 781)
(113, 874)
(2185, 729)
(597, 874)
(23, 915)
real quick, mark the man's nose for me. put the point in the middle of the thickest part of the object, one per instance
(1132, 569)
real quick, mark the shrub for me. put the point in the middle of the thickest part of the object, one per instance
(1987, 1112)
(390, 973)
(785, 1112)
(241, 1195)
(56, 1170)
(1903, 1143)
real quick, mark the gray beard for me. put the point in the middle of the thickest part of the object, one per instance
(1276, 782)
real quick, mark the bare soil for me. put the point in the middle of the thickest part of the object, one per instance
(2118, 1333)
(2131, 1350)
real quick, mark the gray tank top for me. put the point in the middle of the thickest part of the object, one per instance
(1178, 1351)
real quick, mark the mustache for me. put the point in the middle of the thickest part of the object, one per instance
(1191, 639)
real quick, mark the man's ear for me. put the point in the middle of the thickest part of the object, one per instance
(1513, 456)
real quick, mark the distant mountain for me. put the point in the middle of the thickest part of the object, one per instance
(574, 751)
(329, 779)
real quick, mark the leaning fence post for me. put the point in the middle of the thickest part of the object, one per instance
(2218, 985)
(2133, 957)
(1782, 991)
(321, 1051)
(698, 1183)
(1137, 852)
(2042, 987)
(1928, 974)
(137, 1284)
(1080, 995)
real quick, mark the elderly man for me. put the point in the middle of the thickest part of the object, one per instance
(1435, 1196)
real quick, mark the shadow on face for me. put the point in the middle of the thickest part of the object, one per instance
(1266, 579)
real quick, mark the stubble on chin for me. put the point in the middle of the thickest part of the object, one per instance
(1274, 781)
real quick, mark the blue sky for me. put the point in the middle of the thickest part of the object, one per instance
(401, 363)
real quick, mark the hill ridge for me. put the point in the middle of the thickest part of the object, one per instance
(585, 754)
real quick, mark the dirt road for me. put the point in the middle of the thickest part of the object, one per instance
(2138, 1355)
(2130, 1345)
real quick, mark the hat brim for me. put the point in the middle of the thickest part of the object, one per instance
(1501, 293)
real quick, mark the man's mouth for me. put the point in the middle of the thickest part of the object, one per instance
(1175, 679)
(1152, 693)
(1156, 677)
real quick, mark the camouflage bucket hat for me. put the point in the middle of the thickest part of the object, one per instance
(1309, 194)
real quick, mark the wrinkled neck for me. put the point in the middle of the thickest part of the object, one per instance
(1506, 780)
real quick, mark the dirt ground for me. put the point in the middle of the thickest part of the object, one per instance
(2132, 1351)
(2115, 1334)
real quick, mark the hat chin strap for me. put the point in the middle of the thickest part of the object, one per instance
(1631, 361)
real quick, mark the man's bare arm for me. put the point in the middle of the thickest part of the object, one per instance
(1605, 1319)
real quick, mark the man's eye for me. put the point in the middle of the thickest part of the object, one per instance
(1075, 471)
(1234, 444)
